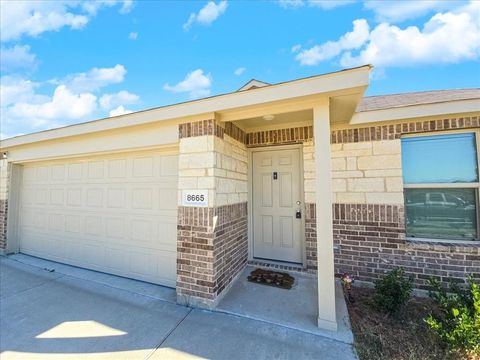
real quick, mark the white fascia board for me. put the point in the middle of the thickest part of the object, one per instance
(416, 111)
(327, 83)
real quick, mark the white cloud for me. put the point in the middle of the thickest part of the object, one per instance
(32, 18)
(239, 71)
(207, 15)
(63, 105)
(17, 58)
(14, 89)
(400, 10)
(127, 6)
(196, 83)
(133, 36)
(94, 79)
(109, 101)
(119, 111)
(296, 48)
(447, 37)
(323, 4)
(26, 106)
(330, 49)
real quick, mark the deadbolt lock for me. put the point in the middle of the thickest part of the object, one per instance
(298, 214)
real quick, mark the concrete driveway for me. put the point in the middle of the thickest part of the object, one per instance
(72, 313)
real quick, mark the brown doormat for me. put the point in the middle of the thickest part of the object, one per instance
(271, 278)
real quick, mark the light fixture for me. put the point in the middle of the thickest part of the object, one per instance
(268, 117)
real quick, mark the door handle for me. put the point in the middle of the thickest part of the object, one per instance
(298, 214)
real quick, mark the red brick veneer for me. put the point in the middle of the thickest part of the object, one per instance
(371, 240)
(3, 224)
(212, 248)
(395, 131)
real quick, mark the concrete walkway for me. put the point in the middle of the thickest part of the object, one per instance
(72, 313)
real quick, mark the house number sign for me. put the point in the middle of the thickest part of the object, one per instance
(195, 198)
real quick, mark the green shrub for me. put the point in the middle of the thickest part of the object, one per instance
(393, 291)
(458, 320)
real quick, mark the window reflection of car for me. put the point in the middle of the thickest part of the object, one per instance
(439, 206)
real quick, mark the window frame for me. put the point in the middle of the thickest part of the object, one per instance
(472, 185)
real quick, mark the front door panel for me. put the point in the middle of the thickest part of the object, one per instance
(276, 198)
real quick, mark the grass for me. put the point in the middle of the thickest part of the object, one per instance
(403, 337)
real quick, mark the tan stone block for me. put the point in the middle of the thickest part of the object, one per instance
(394, 184)
(241, 167)
(307, 156)
(206, 182)
(225, 186)
(194, 144)
(346, 174)
(309, 166)
(228, 163)
(241, 187)
(309, 197)
(379, 162)
(336, 147)
(227, 149)
(191, 172)
(309, 185)
(233, 198)
(183, 161)
(383, 173)
(243, 197)
(339, 185)
(366, 185)
(350, 198)
(221, 199)
(309, 175)
(352, 152)
(385, 198)
(185, 183)
(357, 146)
(351, 163)
(387, 147)
(216, 144)
(212, 198)
(201, 160)
(339, 164)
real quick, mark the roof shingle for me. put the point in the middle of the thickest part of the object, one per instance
(380, 102)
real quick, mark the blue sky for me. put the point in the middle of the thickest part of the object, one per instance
(65, 62)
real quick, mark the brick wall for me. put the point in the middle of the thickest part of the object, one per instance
(371, 241)
(4, 183)
(212, 241)
(212, 248)
(311, 237)
(369, 226)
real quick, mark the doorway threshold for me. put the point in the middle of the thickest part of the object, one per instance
(280, 265)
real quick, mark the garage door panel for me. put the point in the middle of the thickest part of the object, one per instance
(114, 214)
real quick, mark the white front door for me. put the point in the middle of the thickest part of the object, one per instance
(277, 195)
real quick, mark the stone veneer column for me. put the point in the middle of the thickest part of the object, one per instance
(212, 243)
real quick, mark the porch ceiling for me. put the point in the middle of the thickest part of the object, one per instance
(298, 112)
(282, 120)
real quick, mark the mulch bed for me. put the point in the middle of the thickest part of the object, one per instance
(405, 336)
(271, 278)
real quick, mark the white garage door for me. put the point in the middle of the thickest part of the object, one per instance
(116, 214)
